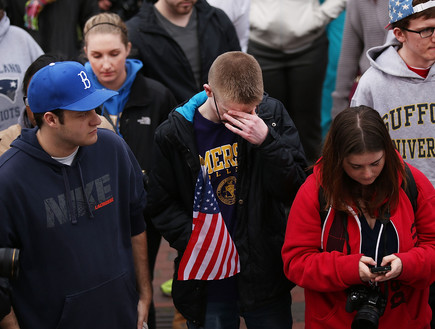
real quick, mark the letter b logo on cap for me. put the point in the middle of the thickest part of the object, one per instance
(85, 80)
(64, 85)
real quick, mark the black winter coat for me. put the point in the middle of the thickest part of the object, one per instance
(148, 105)
(268, 177)
(164, 60)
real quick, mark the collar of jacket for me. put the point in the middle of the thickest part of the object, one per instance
(187, 110)
(138, 89)
(204, 12)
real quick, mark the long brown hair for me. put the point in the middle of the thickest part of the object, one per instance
(357, 130)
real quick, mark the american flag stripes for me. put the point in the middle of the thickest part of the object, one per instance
(210, 253)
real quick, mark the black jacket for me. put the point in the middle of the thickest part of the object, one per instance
(163, 58)
(148, 105)
(268, 177)
(58, 23)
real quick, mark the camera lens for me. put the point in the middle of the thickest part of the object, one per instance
(366, 318)
(9, 262)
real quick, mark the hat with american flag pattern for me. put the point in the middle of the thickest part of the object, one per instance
(399, 9)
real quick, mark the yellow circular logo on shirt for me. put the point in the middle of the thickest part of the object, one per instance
(226, 190)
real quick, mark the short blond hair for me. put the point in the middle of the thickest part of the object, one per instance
(106, 23)
(236, 76)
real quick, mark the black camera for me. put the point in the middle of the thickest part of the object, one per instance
(369, 302)
(8, 269)
(9, 262)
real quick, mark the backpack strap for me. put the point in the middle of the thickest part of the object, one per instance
(322, 204)
(411, 188)
(337, 236)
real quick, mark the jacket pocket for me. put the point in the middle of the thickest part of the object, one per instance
(112, 304)
(327, 305)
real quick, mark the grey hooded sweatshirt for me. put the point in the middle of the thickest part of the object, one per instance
(18, 50)
(406, 102)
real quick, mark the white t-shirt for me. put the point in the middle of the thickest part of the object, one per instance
(238, 12)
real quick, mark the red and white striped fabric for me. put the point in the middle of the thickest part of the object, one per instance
(210, 253)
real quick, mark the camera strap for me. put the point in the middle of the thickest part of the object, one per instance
(385, 220)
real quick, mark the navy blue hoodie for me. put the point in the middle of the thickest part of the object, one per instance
(73, 225)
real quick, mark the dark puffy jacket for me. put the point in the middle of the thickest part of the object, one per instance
(148, 105)
(268, 177)
(164, 60)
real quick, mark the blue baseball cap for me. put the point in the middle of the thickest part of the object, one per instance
(399, 9)
(64, 85)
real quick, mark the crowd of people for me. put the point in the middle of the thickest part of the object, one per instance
(123, 122)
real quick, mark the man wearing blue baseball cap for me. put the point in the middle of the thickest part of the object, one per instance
(400, 85)
(72, 200)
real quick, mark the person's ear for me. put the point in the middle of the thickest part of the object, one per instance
(128, 48)
(51, 119)
(208, 90)
(399, 34)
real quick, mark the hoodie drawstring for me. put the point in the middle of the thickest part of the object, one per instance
(70, 210)
(70, 214)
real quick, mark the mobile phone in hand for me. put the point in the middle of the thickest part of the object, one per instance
(380, 269)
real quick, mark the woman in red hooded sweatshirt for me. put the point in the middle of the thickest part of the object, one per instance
(368, 221)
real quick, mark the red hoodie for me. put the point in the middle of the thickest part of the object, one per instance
(325, 275)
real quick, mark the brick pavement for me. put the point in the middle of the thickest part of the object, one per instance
(165, 308)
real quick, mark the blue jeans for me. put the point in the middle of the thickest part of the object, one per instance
(227, 316)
